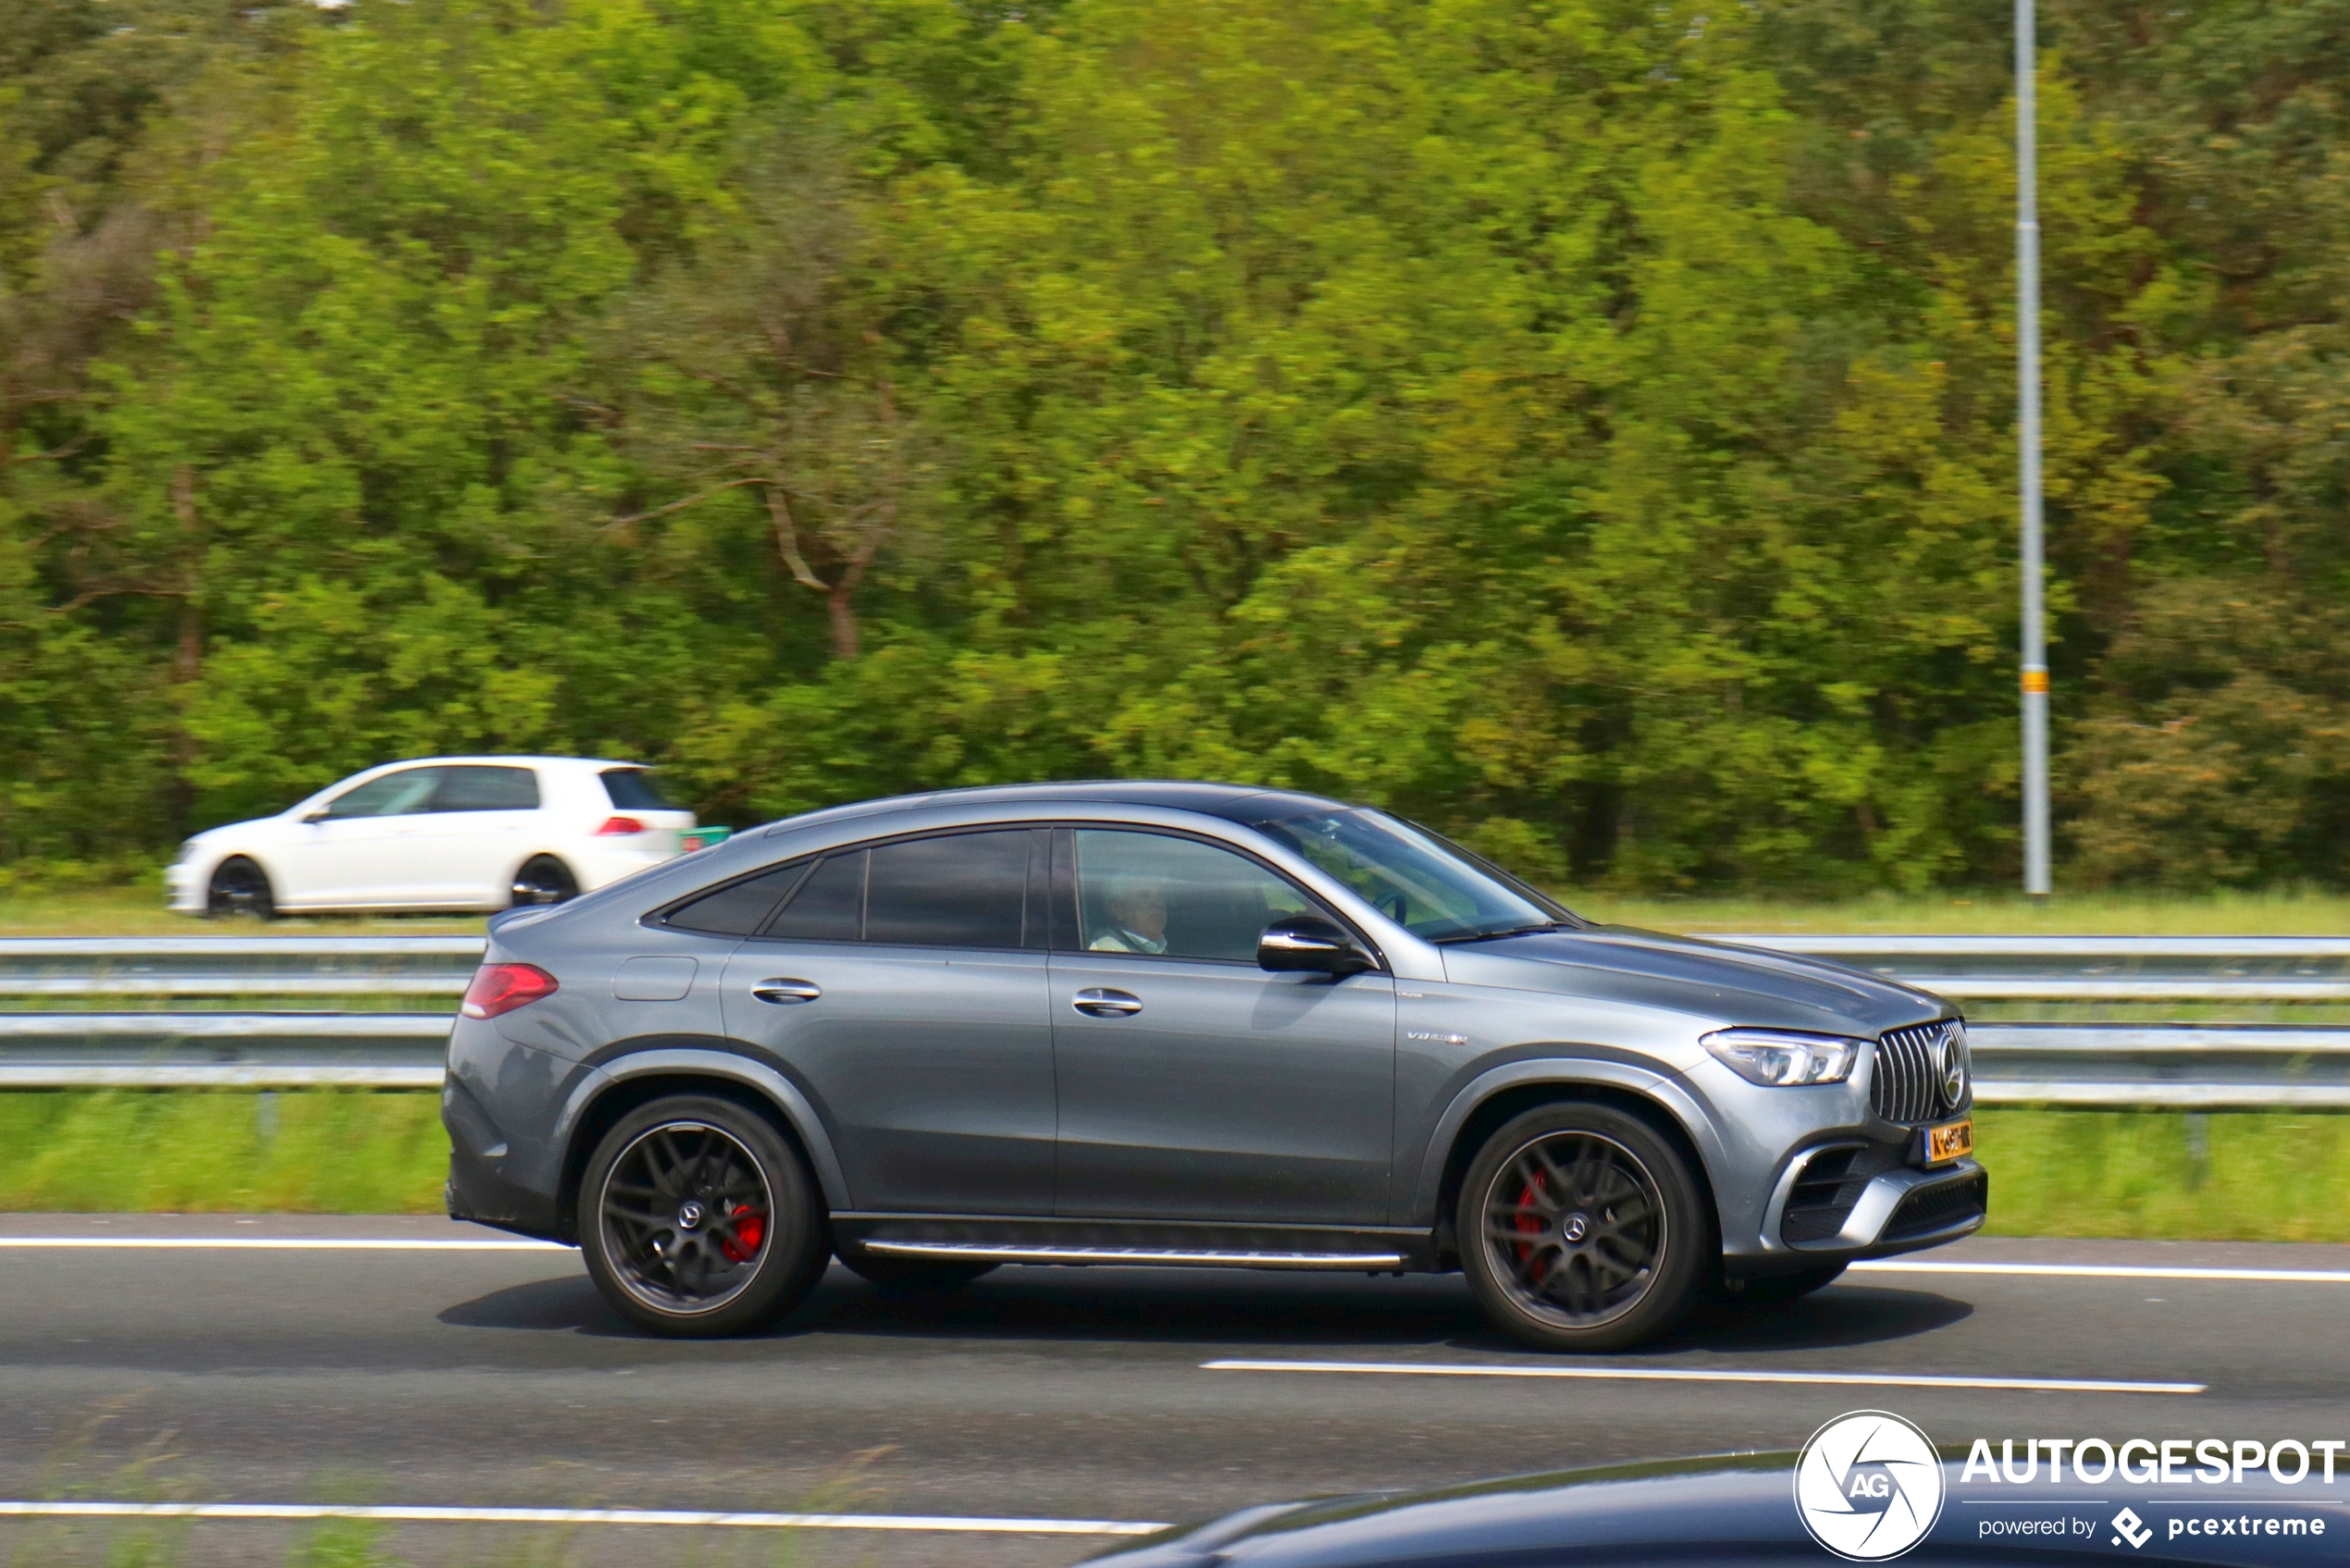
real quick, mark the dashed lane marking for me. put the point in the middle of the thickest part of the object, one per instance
(1695, 1375)
(2113, 1271)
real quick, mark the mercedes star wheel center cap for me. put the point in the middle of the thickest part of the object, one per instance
(689, 1216)
(1576, 1227)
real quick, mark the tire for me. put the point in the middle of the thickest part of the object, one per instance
(543, 880)
(1619, 1241)
(912, 1276)
(699, 1220)
(1778, 1289)
(240, 887)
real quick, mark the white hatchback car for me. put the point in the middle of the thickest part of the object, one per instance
(438, 832)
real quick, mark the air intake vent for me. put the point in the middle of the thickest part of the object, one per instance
(1914, 1075)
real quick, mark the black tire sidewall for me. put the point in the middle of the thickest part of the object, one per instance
(797, 1245)
(1691, 1247)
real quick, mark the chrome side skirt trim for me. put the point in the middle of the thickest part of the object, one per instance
(1155, 1256)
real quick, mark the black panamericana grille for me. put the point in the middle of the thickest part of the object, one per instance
(1906, 1085)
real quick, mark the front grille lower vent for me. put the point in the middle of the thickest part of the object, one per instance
(1907, 1083)
(1939, 1208)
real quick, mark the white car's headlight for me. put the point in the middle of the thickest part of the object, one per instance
(1780, 1057)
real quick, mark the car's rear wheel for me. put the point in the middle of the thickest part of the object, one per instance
(240, 887)
(1583, 1228)
(912, 1276)
(697, 1220)
(1778, 1289)
(544, 880)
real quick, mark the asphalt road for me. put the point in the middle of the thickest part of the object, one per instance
(497, 1377)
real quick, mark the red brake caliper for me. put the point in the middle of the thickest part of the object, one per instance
(1526, 1223)
(749, 1230)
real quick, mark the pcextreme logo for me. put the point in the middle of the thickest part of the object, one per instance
(1867, 1486)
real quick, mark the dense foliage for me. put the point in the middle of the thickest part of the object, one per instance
(1582, 423)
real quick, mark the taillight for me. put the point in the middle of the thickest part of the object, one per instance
(501, 988)
(615, 826)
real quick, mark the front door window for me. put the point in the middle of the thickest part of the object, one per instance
(1174, 898)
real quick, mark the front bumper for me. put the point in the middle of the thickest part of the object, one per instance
(184, 886)
(1868, 1208)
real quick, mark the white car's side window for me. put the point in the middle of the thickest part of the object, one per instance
(393, 795)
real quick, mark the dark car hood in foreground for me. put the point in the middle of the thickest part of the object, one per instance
(1726, 1511)
(1713, 978)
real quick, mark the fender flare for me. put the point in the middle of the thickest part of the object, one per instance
(1668, 1091)
(714, 1061)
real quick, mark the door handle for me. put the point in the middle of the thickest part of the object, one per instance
(1101, 1003)
(783, 991)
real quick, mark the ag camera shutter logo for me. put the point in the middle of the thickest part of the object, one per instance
(1867, 1486)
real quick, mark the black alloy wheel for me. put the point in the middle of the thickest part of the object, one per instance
(1778, 1289)
(239, 887)
(1581, 1228)
(912, 1277)
(697, 1219)
(544, 880)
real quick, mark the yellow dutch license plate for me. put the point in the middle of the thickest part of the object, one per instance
(1950, 1141)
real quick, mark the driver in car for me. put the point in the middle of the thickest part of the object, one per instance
(1138, 920)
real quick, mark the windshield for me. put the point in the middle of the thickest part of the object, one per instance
(1431, 888)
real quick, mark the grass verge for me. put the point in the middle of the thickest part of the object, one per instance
(2234, 1176)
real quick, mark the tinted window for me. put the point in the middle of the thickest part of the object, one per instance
(964, 891)
(633, 789)
(486, 789)
(829, 907)
(392, 794)
(737, 909)
(1147, 893)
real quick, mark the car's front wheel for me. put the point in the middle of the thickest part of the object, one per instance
(544, 880)
(697, 1219)
(1583, 1228)
(238, 887)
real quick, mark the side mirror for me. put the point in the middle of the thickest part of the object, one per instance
(318, 816)
(1310, 943)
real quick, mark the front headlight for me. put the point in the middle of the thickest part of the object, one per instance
(1779, 1057)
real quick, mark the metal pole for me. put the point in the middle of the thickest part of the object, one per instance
(2027, 379)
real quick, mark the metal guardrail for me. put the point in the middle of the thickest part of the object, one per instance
(2193, 1065)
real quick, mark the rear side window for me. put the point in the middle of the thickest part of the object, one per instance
(634, 789)
(965, 890)
(829, 907)
(739, 908)
(486, 789)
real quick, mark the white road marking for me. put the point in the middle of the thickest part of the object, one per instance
(287, 1244)
(430, 1515)
(1692, 1375)
(2116, 1271)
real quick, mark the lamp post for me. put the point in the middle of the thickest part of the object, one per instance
(2027, 377)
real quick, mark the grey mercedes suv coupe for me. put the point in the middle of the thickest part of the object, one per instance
(1182, 1024)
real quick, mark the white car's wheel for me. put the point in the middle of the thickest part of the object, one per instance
(240, 886)
(544, 880)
